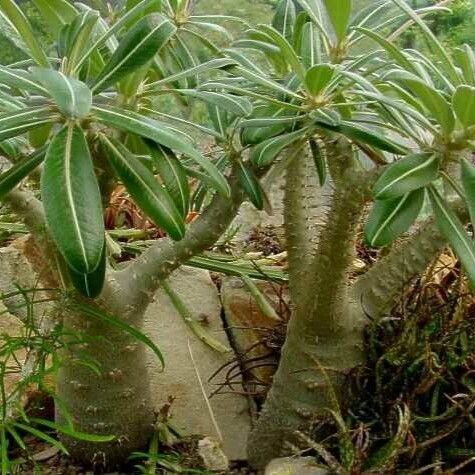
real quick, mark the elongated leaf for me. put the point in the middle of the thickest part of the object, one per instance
(391, 218)
(22, 25)
(8, 31)
(73, 97)
(56, 13)
(268, 122)
(154, 7)
(393, 51)
(318, 77)
(339, 12)
(146, 191)
(265, 122)
(464, 105)
(173, 175)
(116, 322)
(284, 18)
(251, 186)
(311, 48)
(138, 47)
(468, 183)
(17, 78)
(266, 82)
(108, 32)
(236, 105)
(287, 50)
(90, 285)
(73, 433)
(434, 43)
(80, 35)
(432, 99)
(260, 299)
(466, 61)
(319, 160)
(158, 132)
(72, 200)
(360, 133)
(266, 152)
(42, 436)
(453, 230)
(13, 176)
(18, 122)
(410, 173)
(218, 63)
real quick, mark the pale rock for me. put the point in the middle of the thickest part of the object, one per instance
(213, 457)
(294, 466)
(169, 331)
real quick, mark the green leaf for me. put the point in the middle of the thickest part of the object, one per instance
(251, 186)
(72, 200)
(239, 106)
(13, 176)
(42, 436)
(73, 433)
(432, 99)
(154, 7)
(217, 63)
(393, 51)
(80, 34)
(440, 50)
(266, 152)
(466, 61)
(310, 46)
(19, 79)
(22, 25)
(468, 183)
(318, 77)
(284, 18)
(73, 97)
(339, 12)
(174, 176)
(260, 299)
(146, 191)
(56, 13)
(463, 102)
(19, 122)
(107, 34)
(408, 174)
(120, 324)
(319, 160)
(287, 50)
(391, 218)
(453, 230)
(158, 132)
(360, 133)
(90, 285)
(8, 31)
(138, 47)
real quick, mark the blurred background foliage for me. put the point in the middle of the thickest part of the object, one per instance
(455, 29)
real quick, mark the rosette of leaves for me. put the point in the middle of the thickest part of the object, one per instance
(86, 114)
(326, 72)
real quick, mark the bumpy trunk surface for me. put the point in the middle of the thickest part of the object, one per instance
(116, 402)
(324, 337)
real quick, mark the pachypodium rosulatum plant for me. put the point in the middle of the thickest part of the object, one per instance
(334, 95)
(82, 116)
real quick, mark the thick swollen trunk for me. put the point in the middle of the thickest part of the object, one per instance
(324, 337)
(115, 402)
